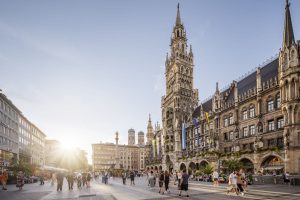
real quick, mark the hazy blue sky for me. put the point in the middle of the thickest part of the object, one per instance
(81, 70)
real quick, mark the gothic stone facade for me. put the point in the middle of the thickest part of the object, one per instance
(181, 98)
(256, 119)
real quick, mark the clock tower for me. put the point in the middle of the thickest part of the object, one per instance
(181, 98)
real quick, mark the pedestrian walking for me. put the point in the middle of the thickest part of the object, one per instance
(79, 181)
(20, 180)
(232, 183)
(3, 179)
(274, 177)
(286, 178)
(184, 183)
(175, 176)
(60, 180)
(215, 177)
(70, 179)
(42, 182)
(240, 184)
(88, 180)
(167, 181)
(84, 179)
(124, 176)
(179, 175)
(132, 178)
(53, 179)
(161, 181)
(151, 180)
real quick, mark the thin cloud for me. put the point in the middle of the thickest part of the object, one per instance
(48, 46)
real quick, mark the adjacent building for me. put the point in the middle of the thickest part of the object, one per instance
(9, 129)
(114, 156)
(20, 139)
(52, 147)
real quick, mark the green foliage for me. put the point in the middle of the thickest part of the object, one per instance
(27, 168)
(207, 169)
(232, 164)
(198, 173)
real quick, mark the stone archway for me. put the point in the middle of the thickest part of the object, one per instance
(272, 163)
(160, 167)
(203, 163)
(192, 168)
(182, 166)
(155, 168)
(247, 165)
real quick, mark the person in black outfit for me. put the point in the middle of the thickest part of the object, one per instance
(161, 182)
(60, 180)
(167, 181)
(132, 178)
(184, 183)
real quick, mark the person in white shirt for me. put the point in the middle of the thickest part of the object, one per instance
(232, 183)
(215, 176)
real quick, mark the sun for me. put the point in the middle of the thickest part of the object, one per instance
(67, 146)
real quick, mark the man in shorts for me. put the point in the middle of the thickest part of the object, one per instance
(215, 176)
(184, 183)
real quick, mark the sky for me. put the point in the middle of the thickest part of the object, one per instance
(81, 70)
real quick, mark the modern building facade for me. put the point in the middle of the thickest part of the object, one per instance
(255, 120)
(9, 129)
(31, 142)
(20, 139)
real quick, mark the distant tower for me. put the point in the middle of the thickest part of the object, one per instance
(131, 137)
(150, 133)
(141, 138)
(117, 166)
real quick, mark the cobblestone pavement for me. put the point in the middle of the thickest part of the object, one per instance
(115, 190)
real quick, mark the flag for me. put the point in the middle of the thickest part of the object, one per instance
(183, 140)
(207, 118)
(154, 148)
(197, 129)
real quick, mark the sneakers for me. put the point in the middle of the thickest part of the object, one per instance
(242, 193)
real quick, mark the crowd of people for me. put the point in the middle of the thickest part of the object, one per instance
(81, 179)
(181, 179)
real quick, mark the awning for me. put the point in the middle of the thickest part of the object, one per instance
(273, 167)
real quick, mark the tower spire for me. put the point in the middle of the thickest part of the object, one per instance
(288, 33)
(178, 20)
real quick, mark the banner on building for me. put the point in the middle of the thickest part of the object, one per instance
(154, 148)
(183, 137)
(197, 131)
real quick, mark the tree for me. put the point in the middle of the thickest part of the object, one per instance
(207, 169)
(232, 165)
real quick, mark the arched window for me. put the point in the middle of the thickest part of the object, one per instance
(177, 33)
